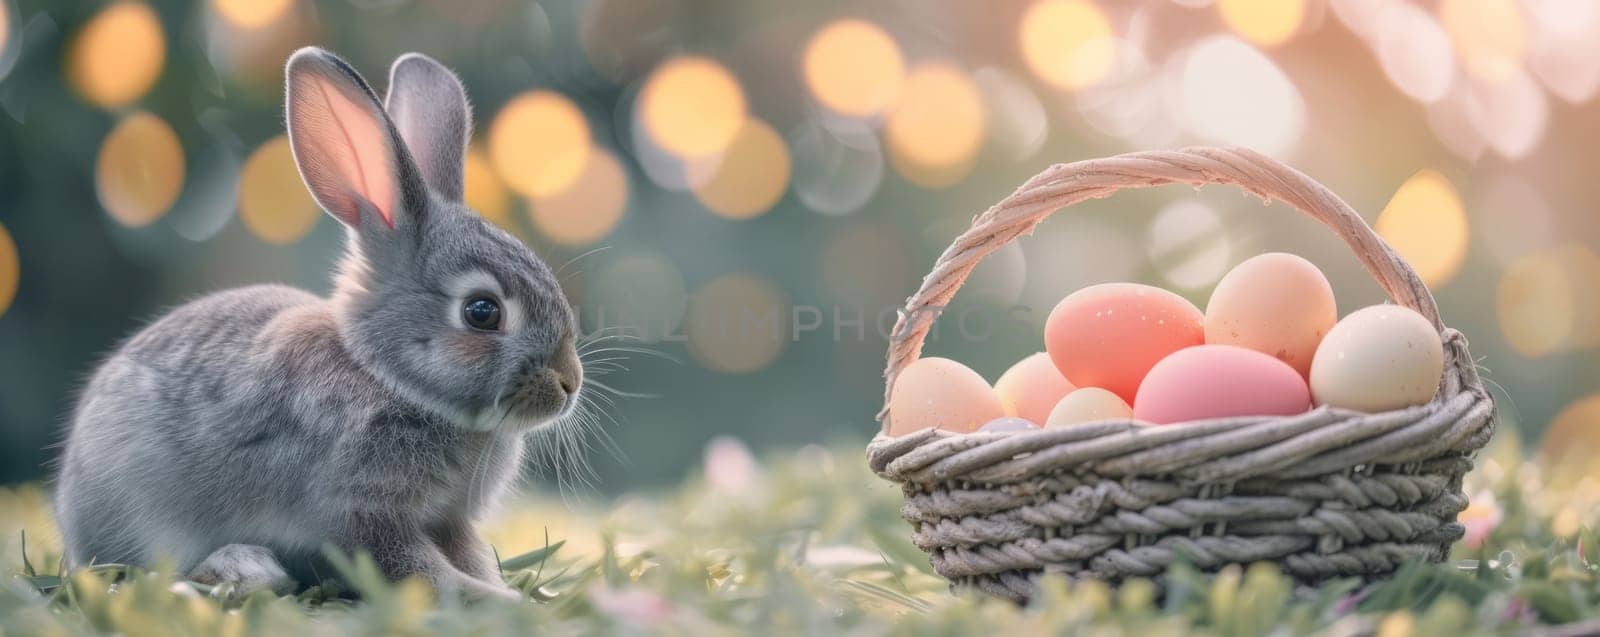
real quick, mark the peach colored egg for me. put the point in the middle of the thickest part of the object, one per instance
(1216, 381)
(1032, 387)
(1274, 303)
(1110, 335)
(939, 392)
(1087, 404)
(1378, 358)
(1009, 424)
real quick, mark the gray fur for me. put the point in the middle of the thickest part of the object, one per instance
(374, 420)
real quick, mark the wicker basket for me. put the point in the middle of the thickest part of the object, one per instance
(1328, 493)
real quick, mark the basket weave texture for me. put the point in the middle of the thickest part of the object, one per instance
(1328, 493)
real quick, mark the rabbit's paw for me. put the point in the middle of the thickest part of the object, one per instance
(240, 569)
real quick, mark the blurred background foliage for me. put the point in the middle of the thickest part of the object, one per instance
(690, 165)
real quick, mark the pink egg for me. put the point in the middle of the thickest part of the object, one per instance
(1217, 381)
(1110, 335)
(1032, 387)
(939, 392)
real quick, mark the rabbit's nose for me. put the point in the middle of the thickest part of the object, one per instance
(567, 385)
(568, 368)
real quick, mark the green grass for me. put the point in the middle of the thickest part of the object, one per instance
(810, 542)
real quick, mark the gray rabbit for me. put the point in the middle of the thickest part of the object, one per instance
(246, 430)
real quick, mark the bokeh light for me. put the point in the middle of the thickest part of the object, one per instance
(854, 68)
(1188, 242)
(589, 208)
(1534, 305)
(1491, 36)
(118, 55)
(483, 191)
(1565, 53)
(750, 177)
(1016, 116)
(1264, 22)
(5, 29)
(251, 14)
(738, 323)
(836, 168)
(1414, 51)
(1582, 266)
(1510, 114)
(936, 129)
(539, 143)
(139, 172)
(1229, 93)
(643, 294)
(1067, 43)
(273, 201)
(1571, 446)
(692, 106)
(10, 270)
(1425, 223)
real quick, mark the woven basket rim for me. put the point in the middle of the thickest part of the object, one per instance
(1459, 419)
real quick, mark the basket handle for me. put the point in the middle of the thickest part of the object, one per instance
(1062, 185)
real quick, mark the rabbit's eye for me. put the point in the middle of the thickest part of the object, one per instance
(482, 313)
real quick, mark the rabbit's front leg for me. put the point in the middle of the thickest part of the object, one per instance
(401, 550)
(468, 552)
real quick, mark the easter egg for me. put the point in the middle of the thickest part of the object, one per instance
(1110, 335)
(1277, 304)
(1008, 424)
(1087, 404)
(939, 392)
(1378, 358)
(1031, 388)
(1217, 381)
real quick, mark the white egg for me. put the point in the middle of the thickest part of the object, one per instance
(1378, 358)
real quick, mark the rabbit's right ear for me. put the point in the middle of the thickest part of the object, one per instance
(344, 145)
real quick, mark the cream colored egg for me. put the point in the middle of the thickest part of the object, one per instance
(1275, 303)
(1031, 387)
(1378, 358)
(1087, 404)
(939, 392)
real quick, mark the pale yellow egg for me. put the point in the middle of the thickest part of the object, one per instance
(1087, 404)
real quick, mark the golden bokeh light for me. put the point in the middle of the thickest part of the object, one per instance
(854, 68)
(590, 208)
(118, 55)
(935, 130)
(692, 107)
(750, 178)
(539, 143)
(273, 202)
(1490, 36)
(1570, 449)
(738, 323)
(1067, 43)
(10, 270)
(1424, 221)
(484, 192)
(250, 14)
(5, 28)
(1263, 22)
(139, 172)
(1534, 305)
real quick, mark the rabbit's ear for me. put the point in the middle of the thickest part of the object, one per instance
(348, 153)
(430, 110)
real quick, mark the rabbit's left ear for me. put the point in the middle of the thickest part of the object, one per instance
(429, 108)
